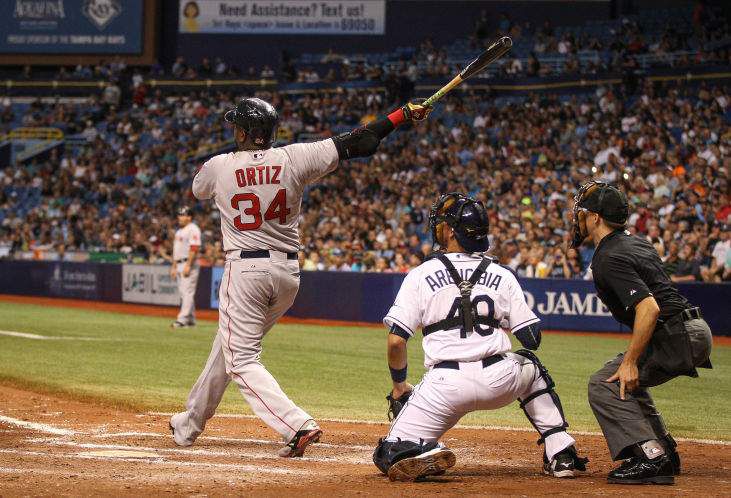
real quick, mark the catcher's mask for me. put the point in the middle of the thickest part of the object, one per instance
(466, 216)
(601, 198)
(257, 118)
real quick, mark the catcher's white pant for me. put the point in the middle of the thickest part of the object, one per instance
(254, 293)
(186, 288)
(445, 395)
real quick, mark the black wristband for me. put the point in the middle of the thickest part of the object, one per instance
(398, 375)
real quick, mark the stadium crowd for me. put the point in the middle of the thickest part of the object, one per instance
(682, 37)
(668, 146)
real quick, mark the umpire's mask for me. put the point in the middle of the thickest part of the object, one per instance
(601, 198)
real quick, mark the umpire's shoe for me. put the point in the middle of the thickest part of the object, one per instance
(564, 464)
(642, 470)
(308, 434)
(433, 462)
(671, 451)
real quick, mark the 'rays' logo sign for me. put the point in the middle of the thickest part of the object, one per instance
(101, 12)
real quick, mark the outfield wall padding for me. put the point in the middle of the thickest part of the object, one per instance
(362, 297)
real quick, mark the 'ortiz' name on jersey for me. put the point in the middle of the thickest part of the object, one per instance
(427, 296)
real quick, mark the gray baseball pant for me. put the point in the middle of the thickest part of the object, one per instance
(254, 294)
(186, 288)
(634, 420)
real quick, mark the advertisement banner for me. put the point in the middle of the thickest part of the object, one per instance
(293, 17)
(149, 284)
(74, 280)
(560, 304)
(71, 26)
(568, 305)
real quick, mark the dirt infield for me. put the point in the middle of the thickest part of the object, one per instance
(50, 445)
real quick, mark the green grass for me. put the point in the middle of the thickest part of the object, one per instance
(330, 371)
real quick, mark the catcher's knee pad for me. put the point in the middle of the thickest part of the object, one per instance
(548, 390)
(389, 452)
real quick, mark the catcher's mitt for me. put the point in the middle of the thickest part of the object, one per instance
(395, 405)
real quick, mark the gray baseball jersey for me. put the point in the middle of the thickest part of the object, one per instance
(259, 193)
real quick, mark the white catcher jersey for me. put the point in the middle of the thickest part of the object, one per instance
(428, 295)
(259, 192)
(185, 238)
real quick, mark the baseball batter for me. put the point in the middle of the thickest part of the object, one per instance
(258, 191)
(185, 267)
(465, 302)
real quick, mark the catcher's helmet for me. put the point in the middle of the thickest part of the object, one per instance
(466, 216)
(257, 118)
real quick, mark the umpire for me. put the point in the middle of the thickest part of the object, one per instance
(669, 338)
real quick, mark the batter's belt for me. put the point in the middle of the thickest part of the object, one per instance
(264, 253)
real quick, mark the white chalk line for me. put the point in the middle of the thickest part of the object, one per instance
(200, 452)
(49, 429)
(230, 439)
(458, 426)
(160, 461)
(45, 428)
(38, 337)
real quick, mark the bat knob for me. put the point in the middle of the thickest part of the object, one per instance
(506, 42)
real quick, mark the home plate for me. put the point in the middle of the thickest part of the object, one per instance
(120, 454)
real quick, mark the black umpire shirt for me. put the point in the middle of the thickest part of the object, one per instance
(626, 270)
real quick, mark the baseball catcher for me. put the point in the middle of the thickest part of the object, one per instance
(465, 303)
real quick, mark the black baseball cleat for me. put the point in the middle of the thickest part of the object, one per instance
(432, 463)
(671, 451)
(641, 470)
(564, 464)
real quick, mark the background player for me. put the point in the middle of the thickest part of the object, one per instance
(258, 191)
(465, 350)
(669, 338)
(185, 267)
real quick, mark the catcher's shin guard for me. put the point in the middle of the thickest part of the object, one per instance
(549, 390)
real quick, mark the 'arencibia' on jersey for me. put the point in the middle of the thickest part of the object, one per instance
(428, 295)
(259, 192)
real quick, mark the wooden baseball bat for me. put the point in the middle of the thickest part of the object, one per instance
(493, 53)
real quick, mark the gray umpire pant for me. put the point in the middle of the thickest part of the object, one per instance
(633, 420)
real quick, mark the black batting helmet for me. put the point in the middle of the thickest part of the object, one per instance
(466, 216)
(257, 118)
(184, 211)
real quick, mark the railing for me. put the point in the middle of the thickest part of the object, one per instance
(35, 149)
(28, 133)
